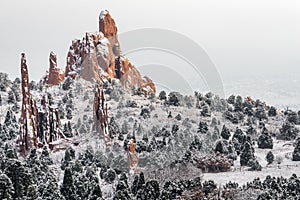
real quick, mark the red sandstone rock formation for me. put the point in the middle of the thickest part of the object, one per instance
(28, 127)
(108, 27)
(132, 157)
(73, 59)
(44, 120)
(56, 76)
(91, 58)
(100, 115)
(130, 77)
(98, 56)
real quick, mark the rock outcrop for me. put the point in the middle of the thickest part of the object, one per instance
(28, 126)
(130, 77)
(133, 159)
(100, 115)
(91, 59)
(55, 76)
(108, 27)
(38, 126)
(98, 56)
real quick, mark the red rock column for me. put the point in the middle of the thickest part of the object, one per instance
(133, 159)
(28, 130)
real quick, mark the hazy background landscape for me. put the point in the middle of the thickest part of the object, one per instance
(254, 44)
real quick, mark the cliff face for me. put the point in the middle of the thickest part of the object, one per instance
(55, 76)
(94, 58)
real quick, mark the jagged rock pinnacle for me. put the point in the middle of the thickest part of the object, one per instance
(56, 76)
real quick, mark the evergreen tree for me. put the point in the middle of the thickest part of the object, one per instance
(16, 90)
(225, 133)
(145, 113)
(138, 183)
(100, 159)
(69, 156)
(205, 111)
(231, 99)
(122, 191)
(178, 117)
(247, 154)
(11, 97)
(61, 111)
(20, 177)
(238, 105)
(254, 165)
(150, 191)
(202, 128)
(260, 113)
(33, 85)
(239, 135)
(32, 193)
(296, 153)
(6, 187)
(265, 141)
(66, 130)
(288, 131)
(221, 147)
(173, 99)
(67, 84)
(272, 111)
(292, 117)
(270, 157)
(162, 95)
(110, 175)
(67, 188)
(69, 114)
(45, 157)
(50, 190)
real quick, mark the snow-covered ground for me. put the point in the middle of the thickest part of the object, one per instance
(283, 151)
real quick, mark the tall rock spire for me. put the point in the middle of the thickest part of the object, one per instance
(56, 76)
(108, 27)
(28, 131)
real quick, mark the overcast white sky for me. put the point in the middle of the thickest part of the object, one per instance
(249, 36)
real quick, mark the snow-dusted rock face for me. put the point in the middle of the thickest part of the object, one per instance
(130, 77)
(94, 58)
(108, 27)
(55, 76)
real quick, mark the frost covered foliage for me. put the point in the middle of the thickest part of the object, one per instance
(275, 187)
(288, 131)
(32, 178)
(177, 139)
